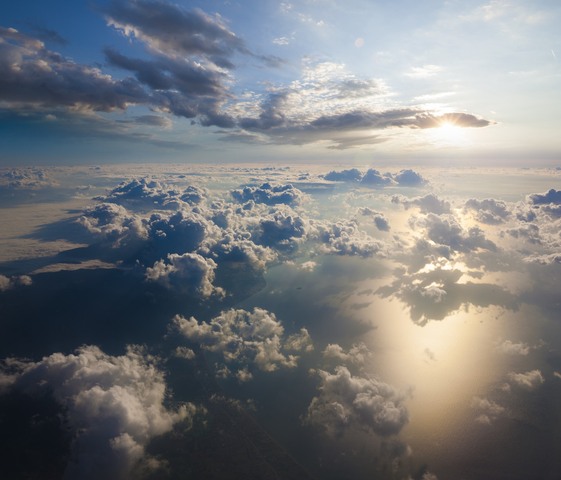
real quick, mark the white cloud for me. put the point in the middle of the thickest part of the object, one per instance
(357, 355)
(528, 380)
(345, 401)
(114, 405)
(270, 194)
(189, 273)
(245, 338)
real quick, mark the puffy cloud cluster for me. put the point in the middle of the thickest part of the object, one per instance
(246, 339)
(190, 273)
(436, 293)
(357, 355)
(489, 210)
(30, 178)
(114, 223)
(487, 410)
(380, 219)
(270, 194)
(445, 230)
(527, 380)
(114, 405)
(374, 178)
(346, 238)
(347, 401)
(149, 193)
(7, 283)
(429, 203)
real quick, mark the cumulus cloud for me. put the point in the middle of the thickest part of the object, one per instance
(114, 405)
(7, 283)
(446, 230)
(357, 355)
(429, 203)
(437, 293)
(346, 238)
(489, 210)
(380, 220)
(487, 410)
(114, 223)
(350, 175)
(346, 401)
(269, 194)
(190, 273)
(409, 178)
(527, 380)
(248, 339)
(145, 192)
(373, 177)
(30, 178)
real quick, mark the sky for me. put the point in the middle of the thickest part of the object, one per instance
(359, 81)
(293, 240)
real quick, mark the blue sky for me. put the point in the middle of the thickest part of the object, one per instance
(358, 81)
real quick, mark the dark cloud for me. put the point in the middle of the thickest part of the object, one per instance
(173, 31)
(438, 294)
(373, 177)
(551, 196)
(35, 76)
(409, 178)
(48, 35)
(351, 175)
(457, 119)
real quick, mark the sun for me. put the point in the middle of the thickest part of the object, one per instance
(449, 133)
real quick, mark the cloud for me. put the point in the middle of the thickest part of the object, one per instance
(190, 273)
(489, 210)
(350, 175)
(430, 203)
(511, 348)
(552, 196)
(380, 220)
(409, 178)
(346, 401)
(7, 283)
(269, 194)
(357, 355)
(487, 410)
(346, 238)
(530, 380)
(247, 339)
(34, 76)
(114, 405)
(373, 177)
(446, 230)
(146, 192)
(436, 294)
(30, 178)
